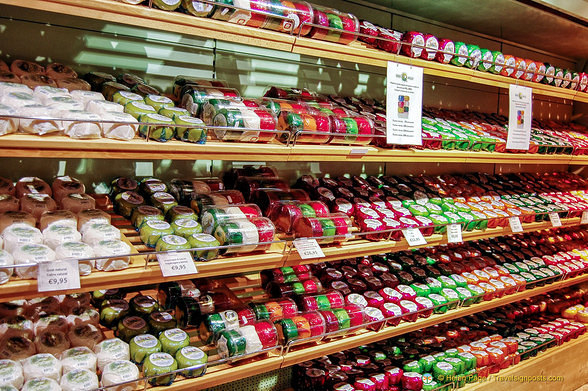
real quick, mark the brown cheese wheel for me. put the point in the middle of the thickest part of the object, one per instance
(60, 71)
(9, 77)
(33, 80)
(7, 187)
(8, 203)
(77, 202)
(73, 84)
(92, 214)
(65, 185)
(32, 185)
(9, 218)
(37, 204)
(22, 67)
(54, 216)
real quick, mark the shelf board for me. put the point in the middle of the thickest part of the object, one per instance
(306, 352)
(357, 52)
(32, 146)
(566, 361)
(360, 248)
(139, 274)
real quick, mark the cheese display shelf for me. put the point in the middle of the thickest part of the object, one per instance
(113, 11)
(550, 370)
(222, 373)
(22, 145)
(145, 269)
(244, 269)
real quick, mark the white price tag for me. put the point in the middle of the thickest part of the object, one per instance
(454, 233)
(176, 264)
(414, 237)
(358, 151)
(308, 249)
(555, 221)
(58, 276)
(515, 224)
(584, 217)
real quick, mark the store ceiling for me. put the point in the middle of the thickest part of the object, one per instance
(555, 26)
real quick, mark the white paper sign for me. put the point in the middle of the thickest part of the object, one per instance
(515, 224)
(454, 233)
(414, 237)
(520, 116)
(176, 264)
(308, 249)
(584, 217)
(404, 101)
(58, 276)
(555, 221)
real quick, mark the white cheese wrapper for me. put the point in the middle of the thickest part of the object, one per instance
(19, 234)
(81, 124)
(44, 94)
(115, 250)
(79, 380)
(57, 234)
(83, 96)
(120, 371)
(119, 131)
(31, 254)
(110, 350)
(101, 107)
(64, 103)
(43, 124)
(7, 125)
(77, 250)
(17, 98)
(97, 232)
(7, 87)
(5, 260)
(80, 357)
(41, 384)
(11, 373)
(42, 365)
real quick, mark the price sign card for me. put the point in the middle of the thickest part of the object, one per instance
(58, 276)
(555, 221)
(515, 224)
(454, 233)
(308, 249)
(584, 217)
(404, 100)
(176, 264)
(414, 237)
(520, 116)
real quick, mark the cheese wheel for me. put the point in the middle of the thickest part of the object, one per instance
(79, 380)
(32, 185)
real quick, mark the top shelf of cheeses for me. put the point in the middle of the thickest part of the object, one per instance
(328, 33)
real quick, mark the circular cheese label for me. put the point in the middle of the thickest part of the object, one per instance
(174, 240)
(145, 341)
(192, 353)
(392, 308)
(176, 335)
(158, 225)
(161, 359)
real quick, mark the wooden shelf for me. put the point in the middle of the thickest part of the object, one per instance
(140, 274)
(357, 52)
(226, 373)
(565, 361)
(305, 353)
(31, 146)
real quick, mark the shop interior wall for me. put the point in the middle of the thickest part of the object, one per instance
(159, 56)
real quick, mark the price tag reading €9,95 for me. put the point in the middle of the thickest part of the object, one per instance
(58, 276)
(414, 237)
(176, 264)
(308, 249)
